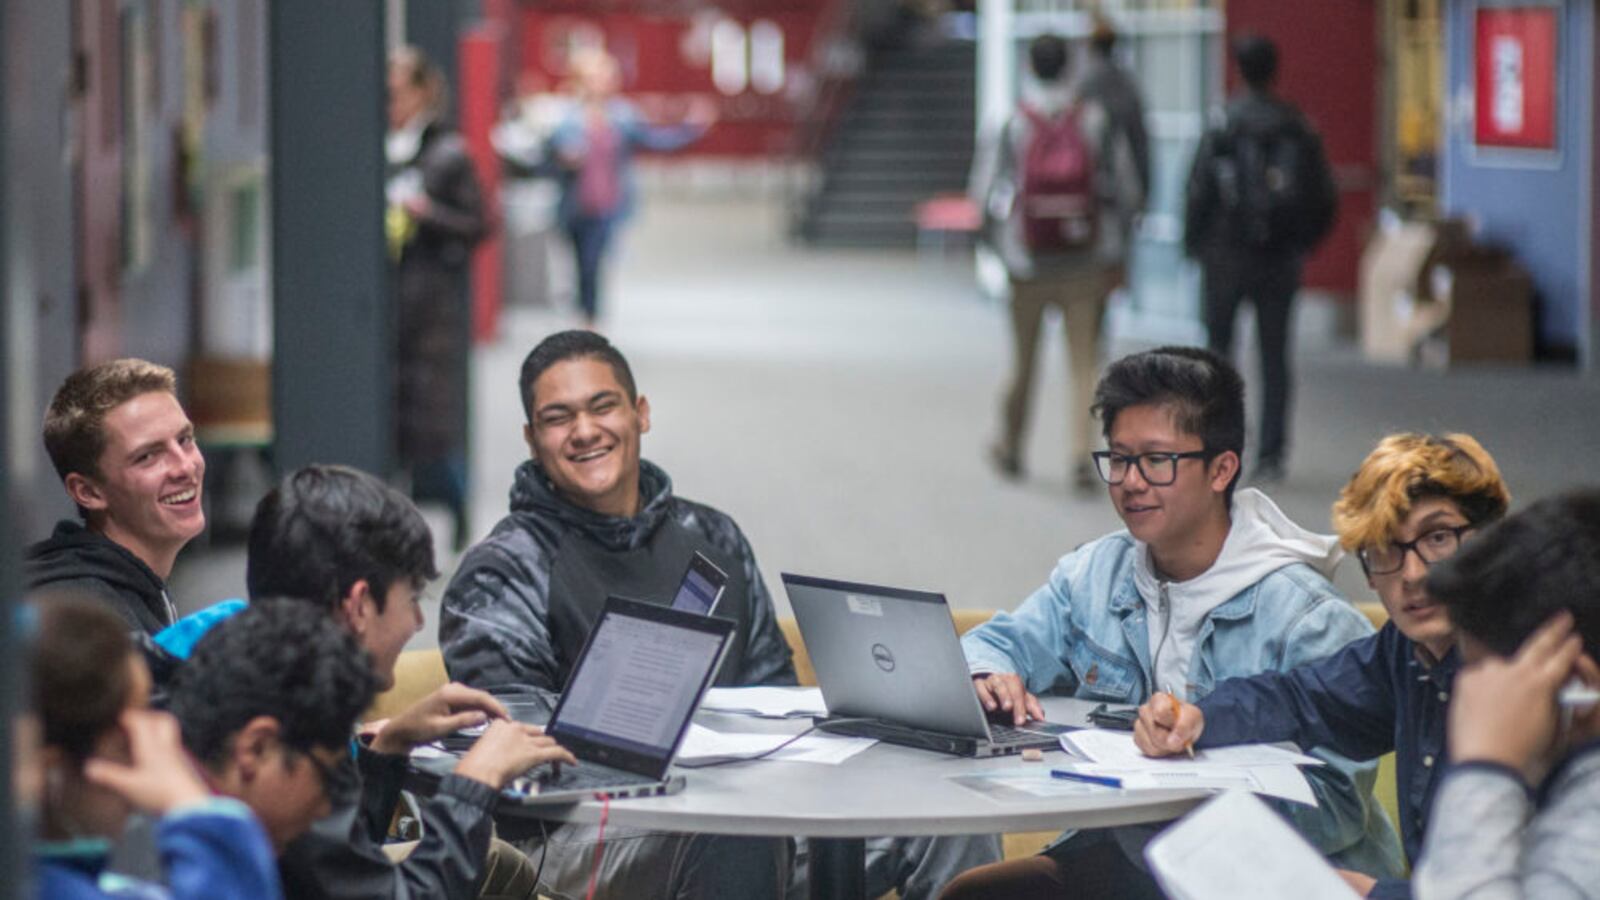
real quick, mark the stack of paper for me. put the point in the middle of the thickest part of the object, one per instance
(702, 744)
(1257, 768)
(766, 702)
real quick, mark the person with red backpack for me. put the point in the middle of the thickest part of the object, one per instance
(1260, 197)
(1060, 189)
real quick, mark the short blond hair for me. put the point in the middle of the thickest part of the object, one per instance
(1405, 468)
(74, 425)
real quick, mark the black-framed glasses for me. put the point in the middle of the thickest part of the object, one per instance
(1436, 545)
(1158, 469)
(338, 780)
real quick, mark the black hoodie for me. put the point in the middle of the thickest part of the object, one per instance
(75, 558)
(521, 604)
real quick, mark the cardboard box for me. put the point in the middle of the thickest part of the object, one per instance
(1489, 312)
(1429, 293)
(1392, 266)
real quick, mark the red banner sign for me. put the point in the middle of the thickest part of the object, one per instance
(1515, 77)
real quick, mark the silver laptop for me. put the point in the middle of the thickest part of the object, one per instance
(890, 667)
(628, 703)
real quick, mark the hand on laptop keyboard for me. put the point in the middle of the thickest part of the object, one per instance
(507, 750)
(1003, 696)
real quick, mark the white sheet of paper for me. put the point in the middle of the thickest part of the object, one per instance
(826, 749)
(766, 702)
(1004, 784)
(1235, 848)
(1116, 748)
(1284, 782)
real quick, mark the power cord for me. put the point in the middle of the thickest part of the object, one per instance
(820, 726)
(599, 842)
(544, 853)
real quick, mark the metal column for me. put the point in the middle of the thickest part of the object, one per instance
(12, 845)
(332, 380)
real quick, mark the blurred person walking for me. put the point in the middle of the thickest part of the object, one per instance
(1260, 197)
(594, 146)
(1059, 187)
(1115, 89)
(436, 216)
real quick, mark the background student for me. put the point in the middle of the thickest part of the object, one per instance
(1518, 815)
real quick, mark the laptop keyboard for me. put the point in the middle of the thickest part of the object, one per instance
(1006, 734)
(587, 777)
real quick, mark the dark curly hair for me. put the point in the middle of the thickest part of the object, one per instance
(275, 658)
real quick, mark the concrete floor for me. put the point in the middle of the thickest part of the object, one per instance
(837, 405)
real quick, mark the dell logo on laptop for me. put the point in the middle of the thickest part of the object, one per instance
(882, 656)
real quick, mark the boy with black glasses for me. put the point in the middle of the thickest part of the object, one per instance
(1204, 585)
(1409, 506)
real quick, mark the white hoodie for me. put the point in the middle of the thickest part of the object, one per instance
(1261, 540)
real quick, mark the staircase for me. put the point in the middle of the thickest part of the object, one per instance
(906, 136)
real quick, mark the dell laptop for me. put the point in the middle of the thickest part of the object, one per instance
(890, 667)
(628, 703)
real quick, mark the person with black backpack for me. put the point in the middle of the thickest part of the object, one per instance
(1260, 197)
(1060, 188)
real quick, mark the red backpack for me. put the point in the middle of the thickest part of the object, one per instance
(1060, 212)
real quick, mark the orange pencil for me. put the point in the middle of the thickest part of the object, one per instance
(1177, 708)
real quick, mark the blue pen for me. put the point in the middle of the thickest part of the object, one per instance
(1069, 775)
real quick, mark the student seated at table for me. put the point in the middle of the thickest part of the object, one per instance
(1205, 584)
(345, 547)
(104, 754)
(127, 457)
(267, 702)
(589, 518)
(1415, 498)
(1518, 814)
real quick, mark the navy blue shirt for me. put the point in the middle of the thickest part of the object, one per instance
(1370, 698)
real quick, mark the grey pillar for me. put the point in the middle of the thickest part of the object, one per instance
(12, 844)
(332, 384)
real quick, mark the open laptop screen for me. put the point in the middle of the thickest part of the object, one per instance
(640, 677)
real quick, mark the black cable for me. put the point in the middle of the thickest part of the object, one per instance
(544, 852)
(821, 725)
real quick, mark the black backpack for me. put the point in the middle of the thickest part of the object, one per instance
(1276, 192)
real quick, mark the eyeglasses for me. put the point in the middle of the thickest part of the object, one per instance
(1435, 546)
(338, 780)
(1158, 469)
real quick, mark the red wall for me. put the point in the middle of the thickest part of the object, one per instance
(657, 74)
(1328, 66)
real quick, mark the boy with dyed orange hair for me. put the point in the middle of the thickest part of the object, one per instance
(1412, 502)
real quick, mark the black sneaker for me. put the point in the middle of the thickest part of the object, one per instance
(1006, 462)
